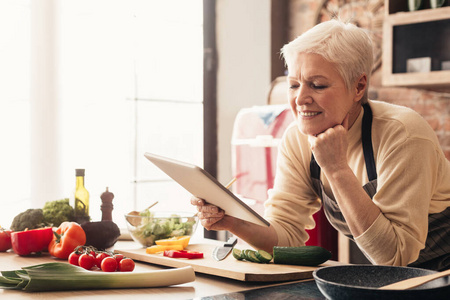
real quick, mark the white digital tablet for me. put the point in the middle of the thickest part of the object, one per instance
(201, 184)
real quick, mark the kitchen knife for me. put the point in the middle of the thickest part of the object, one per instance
(221, 252)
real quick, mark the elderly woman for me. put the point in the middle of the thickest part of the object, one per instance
(376, 168)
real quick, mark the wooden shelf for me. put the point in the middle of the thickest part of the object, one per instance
(395, 6)
(422, 33)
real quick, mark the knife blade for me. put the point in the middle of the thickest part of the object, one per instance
(220, 252)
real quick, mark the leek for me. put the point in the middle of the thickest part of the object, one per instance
(59, 276)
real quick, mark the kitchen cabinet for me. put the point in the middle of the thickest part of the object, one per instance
(423, 34)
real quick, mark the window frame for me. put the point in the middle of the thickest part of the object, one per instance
(209, 93)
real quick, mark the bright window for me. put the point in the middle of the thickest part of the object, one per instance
(131, 76)
(14, 108)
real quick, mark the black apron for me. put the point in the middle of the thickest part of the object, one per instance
(435, 255)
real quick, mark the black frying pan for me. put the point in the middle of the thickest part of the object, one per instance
(362, 282)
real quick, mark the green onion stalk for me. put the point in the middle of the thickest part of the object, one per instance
(58, 276)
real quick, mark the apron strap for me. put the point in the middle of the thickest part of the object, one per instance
(367, 143)
(367, 148)
(314, 168)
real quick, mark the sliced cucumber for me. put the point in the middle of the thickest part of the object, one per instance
(263, 256)
(251, 255)
(237, 253)
(245, 254)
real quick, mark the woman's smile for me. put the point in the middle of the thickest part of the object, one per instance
(308, 114)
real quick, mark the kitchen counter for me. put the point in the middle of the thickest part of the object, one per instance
(205, 286)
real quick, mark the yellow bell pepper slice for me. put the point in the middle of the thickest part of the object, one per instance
(160, 248)
(176, 240)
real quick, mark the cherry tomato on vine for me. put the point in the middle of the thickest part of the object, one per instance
(126, 265)
(118, 258)
(109, 264)
(100, 257)
(86, 261)
(73, 258)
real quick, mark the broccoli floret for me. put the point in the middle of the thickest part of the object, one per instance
(31, 218)
(58, 211)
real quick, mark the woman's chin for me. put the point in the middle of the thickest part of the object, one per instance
(308, 130)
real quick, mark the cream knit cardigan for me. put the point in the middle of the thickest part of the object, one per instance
(413, 181)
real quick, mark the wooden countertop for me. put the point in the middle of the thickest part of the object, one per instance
(203, 286)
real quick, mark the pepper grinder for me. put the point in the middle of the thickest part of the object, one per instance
(107, 205)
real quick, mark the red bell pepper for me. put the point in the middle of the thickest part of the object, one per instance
(183, 254)
(31, 241)
(67, 237)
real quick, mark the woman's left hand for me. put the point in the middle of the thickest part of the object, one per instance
(330, 147)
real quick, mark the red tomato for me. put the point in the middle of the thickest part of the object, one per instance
(66, 238)
(126, 265)
(5, 240)
(118, 258)
(73, 258)
(109, 264)
(86, 261)
(100, 257)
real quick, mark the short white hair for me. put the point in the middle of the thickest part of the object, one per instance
(343, 44)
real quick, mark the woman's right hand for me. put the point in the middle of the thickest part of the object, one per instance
(211, 217)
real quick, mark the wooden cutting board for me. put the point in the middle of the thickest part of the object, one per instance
(229, 267)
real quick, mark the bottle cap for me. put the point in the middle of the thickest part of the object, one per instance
(79, 172)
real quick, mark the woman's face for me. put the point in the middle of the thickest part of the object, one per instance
(318, 96)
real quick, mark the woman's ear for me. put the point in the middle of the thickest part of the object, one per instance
(361, 86)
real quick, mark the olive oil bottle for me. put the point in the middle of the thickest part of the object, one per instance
(81, 197)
